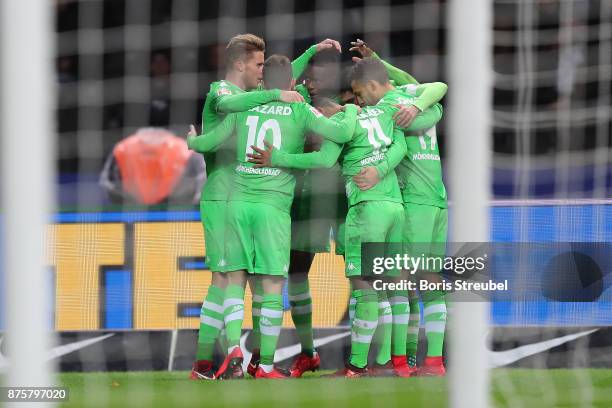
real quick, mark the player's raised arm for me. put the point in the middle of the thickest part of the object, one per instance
(211, 141)
(398, 76)
(298, 65)
(427, 94)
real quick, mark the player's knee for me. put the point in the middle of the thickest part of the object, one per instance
(273, 285)
(298, 277)
(219, 279)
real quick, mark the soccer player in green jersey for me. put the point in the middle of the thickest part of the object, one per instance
(313, 213)
(244, 58)
(318, 206)
(375, 215)
(258, 235)
(424, 196)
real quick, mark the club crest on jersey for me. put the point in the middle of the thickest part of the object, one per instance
(315, 112)
(223, 91)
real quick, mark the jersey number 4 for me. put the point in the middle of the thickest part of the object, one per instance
(270, 124)
(376, 136)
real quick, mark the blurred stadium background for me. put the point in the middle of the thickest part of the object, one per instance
(129, 278)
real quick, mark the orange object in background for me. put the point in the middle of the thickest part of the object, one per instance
(149, 165)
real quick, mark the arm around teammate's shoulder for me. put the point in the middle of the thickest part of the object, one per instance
(338, 129)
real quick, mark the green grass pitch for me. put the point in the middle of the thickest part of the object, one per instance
(510, 388)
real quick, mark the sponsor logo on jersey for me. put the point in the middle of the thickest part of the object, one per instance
(426, 156)
(272, 110)
(263, 171)
(372, 159)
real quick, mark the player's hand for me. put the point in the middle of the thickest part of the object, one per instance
(360, 47)
(366, 178)
(261, 157)
(329, 44)
(291, 96)
(405, 115)
(192, 131)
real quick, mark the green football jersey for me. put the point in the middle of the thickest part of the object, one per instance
(420, 173)
(376, 142)
(225, 97)
(302, 90)
(218, 164)
(281, 124)
(374, 133)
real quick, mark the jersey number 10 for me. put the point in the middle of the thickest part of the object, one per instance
(270, 124)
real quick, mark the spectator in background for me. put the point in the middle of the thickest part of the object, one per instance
(159, 113)
(153, 166)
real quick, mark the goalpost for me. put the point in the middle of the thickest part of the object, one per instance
(469, 70)
(544, 143)
(28, 146)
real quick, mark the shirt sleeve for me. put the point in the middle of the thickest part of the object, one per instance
(398, 76)
(244, 101)
(426, 119)
(302, 90)
(429, 94)
(326, 157)
(209, 142)
(395, 154)
(298, 66)
(336, 130)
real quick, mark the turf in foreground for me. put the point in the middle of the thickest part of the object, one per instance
(511, 387)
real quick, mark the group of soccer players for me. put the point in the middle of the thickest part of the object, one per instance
(286, 165)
